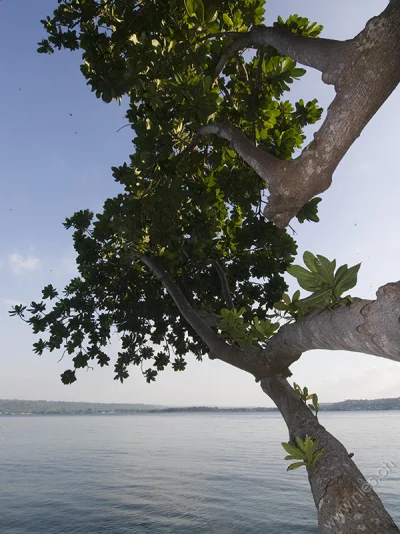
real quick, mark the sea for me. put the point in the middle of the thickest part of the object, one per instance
(178, 473)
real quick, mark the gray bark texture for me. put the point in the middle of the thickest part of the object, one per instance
(346, 503)
(367, 326)
(364, 71)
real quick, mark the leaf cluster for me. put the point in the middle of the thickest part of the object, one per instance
(306, 452)
(184, 208)
(234, 327)
(326, 283)
(304, 395)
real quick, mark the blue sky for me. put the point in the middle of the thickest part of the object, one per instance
(52, 164)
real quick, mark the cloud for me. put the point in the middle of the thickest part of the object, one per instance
(19, 265)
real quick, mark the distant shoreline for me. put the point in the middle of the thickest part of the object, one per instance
(25, 407)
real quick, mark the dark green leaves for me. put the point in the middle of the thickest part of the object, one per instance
(195, 8)
(45, 47)
(17, 310)
(37, 307)
(188, 209)
(80, 220)
(39, 347)
(68, 377)
(49, 292)
(309, 211)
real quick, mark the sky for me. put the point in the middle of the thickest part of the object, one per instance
(52, 164)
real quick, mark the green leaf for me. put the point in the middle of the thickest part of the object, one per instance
(296, 296)
(296, 465)
(199, 10)
(319, 299)
(227, 20)
(340, 272)
(326, 269)
(301, 444)
(291, 449)
(280, 306)
(190, 7)
(302, 274)
(211, 14)
(310, 261)
(347, 280)
(317, 456)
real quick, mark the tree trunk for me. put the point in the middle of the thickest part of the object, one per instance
(346, 503)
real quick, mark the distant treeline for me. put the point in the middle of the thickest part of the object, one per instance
(58, 407)
(354, 405)
(10, 407)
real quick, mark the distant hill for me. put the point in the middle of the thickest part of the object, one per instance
(18, 407)
(354, 405)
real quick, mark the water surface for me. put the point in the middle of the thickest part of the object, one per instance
(175, 473)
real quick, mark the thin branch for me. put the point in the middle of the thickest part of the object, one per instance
(242, 66)
(242, 41)
(129, 124)
(225, 286)
(215, 35)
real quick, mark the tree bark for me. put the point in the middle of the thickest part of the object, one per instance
(364, 71)
(366, 326)
(346, 503)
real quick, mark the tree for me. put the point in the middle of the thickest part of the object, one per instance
(190, 257)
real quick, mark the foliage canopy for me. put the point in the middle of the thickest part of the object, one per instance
(198, 212)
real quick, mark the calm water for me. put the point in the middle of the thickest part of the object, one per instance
(174, 473)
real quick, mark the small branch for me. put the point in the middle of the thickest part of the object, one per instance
(225, 286)
(123, 127)
(242, 41)
(242, 66)
(219, 34)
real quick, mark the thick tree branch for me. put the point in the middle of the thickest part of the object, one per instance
(250, 360)
(346, 503)
(366, 326)
(364, 70)
(265, 165)
(325, 55)
(241, 41)
(207, 334)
